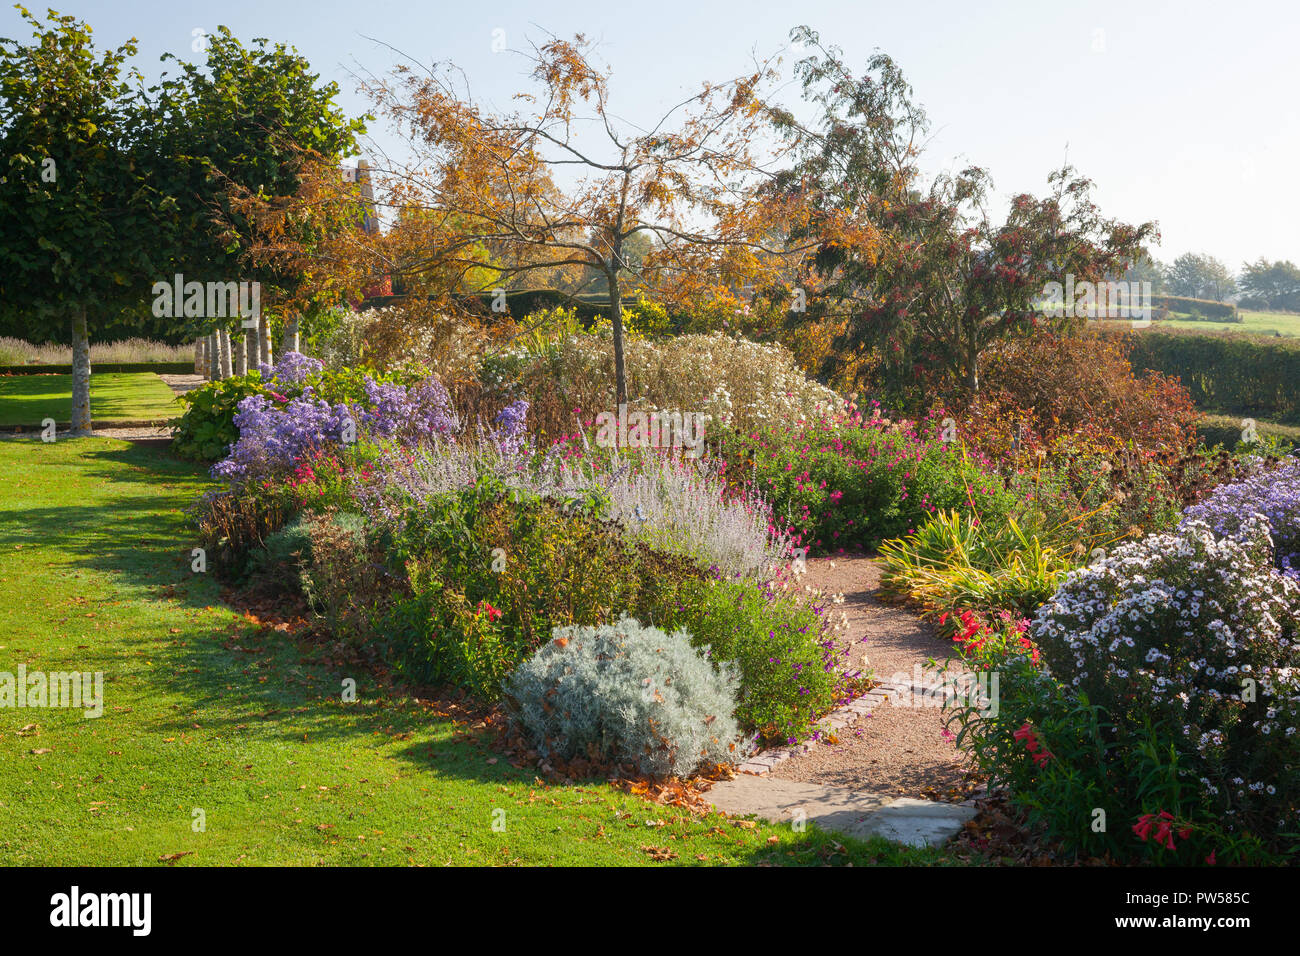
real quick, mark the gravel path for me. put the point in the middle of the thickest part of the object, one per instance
(896, 750)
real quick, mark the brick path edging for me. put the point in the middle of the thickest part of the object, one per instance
(761, 763)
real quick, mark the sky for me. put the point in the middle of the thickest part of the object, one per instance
(1185, 113)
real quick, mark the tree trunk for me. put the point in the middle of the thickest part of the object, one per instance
(200, 357)
(241, 355)
(290, 341)
(616, 319)
(223, 342)
(264, 338)
(80, 373)
(252, 349)
(214, 357)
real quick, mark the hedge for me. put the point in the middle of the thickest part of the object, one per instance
(1214, 311)
(1238, 374)
(159, 368)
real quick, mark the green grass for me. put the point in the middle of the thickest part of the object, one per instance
(114, 397)
(1255, 323)
(206, 711)
(1226, 430)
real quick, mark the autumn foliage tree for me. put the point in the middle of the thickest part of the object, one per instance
(565, 184)
(938, 282)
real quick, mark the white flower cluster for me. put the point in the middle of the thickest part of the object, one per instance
(734, 380)
(1199, 634)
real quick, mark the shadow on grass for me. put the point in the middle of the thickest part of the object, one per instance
(238, 678)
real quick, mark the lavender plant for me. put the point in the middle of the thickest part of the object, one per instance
(675, 505)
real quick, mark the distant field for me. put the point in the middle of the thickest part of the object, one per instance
(1256, 323)
(114, 396)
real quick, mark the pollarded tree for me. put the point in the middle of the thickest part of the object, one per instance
(565, 183)
(939, 282)
(83, 225)
(254, 123)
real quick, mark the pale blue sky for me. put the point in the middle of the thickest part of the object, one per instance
(1183, 112)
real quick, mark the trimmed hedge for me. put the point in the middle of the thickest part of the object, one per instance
(1211, 310)
(158, 368)
(1236, 374)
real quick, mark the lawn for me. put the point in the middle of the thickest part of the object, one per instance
(207, 712)
(114, 397)
(1256, 323)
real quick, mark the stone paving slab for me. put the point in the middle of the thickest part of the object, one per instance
(857, 813)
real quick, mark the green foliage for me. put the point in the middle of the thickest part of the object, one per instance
(207, 428)
(781, 646)
(280, 561)
(476, 580)
(1246, 375)
(958, 561)
(559, 564)
(845, 484)
(248, 119)
(624, 693)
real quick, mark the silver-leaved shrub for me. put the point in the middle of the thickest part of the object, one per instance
(1197, 636)
(627, 693)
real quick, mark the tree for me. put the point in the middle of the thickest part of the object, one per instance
(85, 226)
(688, 178)
(1218, 283)
(255, 139)
(1145, 268)
(934, 282)
(1270, 285)
(1188, 275)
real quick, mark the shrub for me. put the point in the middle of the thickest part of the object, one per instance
(347, 581)
(1067, 385)
(466, 583)
(207, 429)
(843, 483)
(1273, 495)
(791, 657)
(735, 381)
(1185, 649)
(339, 338)
(673, 505)
(624, 693)
(281, 560)
(540, 563)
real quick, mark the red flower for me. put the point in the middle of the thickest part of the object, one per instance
(492, 613)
